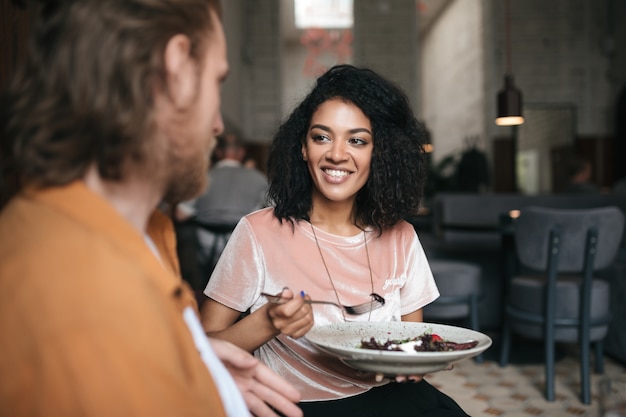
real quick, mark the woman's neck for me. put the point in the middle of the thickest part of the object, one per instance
(334, 217)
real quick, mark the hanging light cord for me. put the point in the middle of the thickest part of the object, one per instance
(507, 36)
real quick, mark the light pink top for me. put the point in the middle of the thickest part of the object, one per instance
(265, 255)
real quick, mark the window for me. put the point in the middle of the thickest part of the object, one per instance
(335, 14)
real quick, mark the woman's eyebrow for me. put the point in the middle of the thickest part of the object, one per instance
(360, 129)
(318, 126)
(328, 129)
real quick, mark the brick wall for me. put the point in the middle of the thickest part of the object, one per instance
(558, 57)
(385, 39)
(261, 69)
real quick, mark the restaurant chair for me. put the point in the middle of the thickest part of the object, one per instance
(554, 295)
(459, 288)
(187, 249)
(211, 240)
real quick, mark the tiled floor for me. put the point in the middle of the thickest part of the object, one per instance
(487, 390)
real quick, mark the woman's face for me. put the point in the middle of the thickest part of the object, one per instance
(338, 150)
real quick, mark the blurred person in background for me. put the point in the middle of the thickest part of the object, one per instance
(619, 187)
(580, 174)
(233, 191)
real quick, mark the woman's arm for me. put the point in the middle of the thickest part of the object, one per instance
(416, 316)
(293, 318)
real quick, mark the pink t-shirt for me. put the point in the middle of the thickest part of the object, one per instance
(264, 255)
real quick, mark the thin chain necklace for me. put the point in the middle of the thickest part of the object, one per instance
(331, 279)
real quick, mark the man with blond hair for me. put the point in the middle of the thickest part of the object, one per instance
(114, 111)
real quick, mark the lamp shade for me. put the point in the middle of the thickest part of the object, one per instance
(509, 104)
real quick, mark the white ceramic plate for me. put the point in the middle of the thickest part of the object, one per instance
(343, 340)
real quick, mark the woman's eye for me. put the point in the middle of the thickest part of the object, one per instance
(320, 138)
(358, 141)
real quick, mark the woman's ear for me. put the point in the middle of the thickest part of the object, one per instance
(180, 69)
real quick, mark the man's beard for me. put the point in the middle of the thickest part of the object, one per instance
(187, 178)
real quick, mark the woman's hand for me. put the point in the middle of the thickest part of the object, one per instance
(263, 390)
(415, 317)
(293, 318)
(408, 378)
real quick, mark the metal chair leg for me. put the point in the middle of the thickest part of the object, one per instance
(585, 384)
(473, 315)
(550, 359)
(505, 343)
(599, 360)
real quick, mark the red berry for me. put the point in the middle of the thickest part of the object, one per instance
(436, 338)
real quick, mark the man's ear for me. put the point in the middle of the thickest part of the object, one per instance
(180, 70)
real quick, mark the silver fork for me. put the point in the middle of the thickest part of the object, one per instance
(376, 302)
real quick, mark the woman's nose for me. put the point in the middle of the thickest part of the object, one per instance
(337, 152)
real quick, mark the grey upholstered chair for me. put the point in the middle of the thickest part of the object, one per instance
(557, 298)
(459, 287)
(212, 239)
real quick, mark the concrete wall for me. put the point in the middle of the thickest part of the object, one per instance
(453, 84)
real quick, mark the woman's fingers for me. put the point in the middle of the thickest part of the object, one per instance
(293, 318)
(408, 378)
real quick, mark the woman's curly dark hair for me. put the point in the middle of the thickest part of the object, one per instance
(394, 188)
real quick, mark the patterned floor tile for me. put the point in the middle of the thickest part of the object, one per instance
(487, 390)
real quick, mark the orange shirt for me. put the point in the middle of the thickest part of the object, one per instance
(90, 320)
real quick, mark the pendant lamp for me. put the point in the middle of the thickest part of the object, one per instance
(509, 104)
(510, 98)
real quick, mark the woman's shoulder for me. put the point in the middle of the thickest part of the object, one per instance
(267, 231)
(264, 220)
(402, 228)
(401, 232)
(260, 215)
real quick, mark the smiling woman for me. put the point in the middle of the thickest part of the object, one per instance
(344, 169)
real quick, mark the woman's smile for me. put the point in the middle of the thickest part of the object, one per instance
(336, 175)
